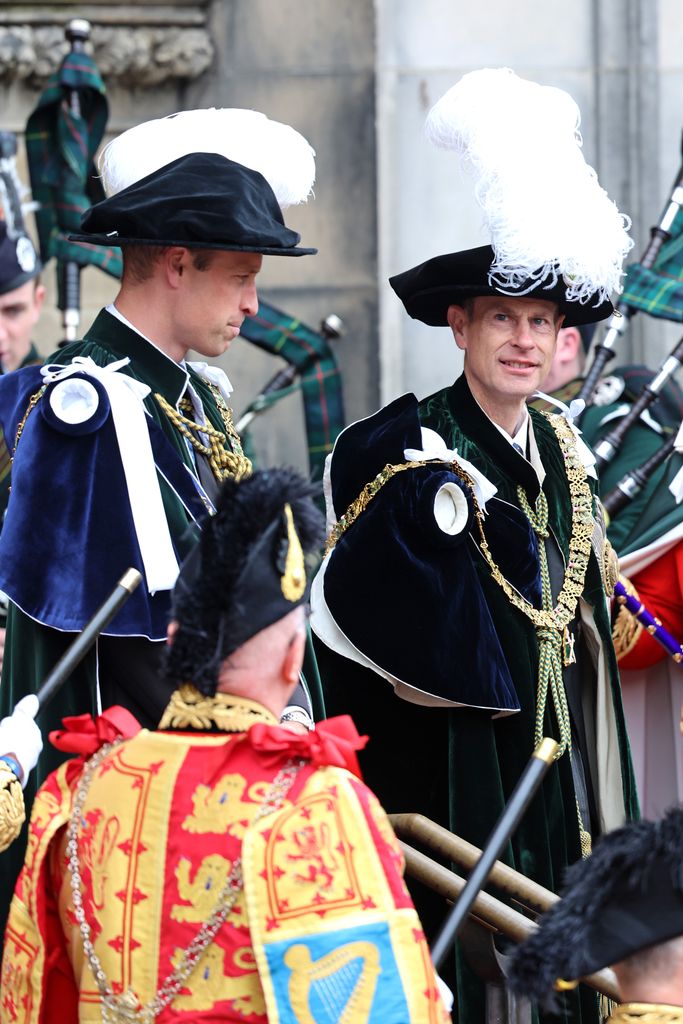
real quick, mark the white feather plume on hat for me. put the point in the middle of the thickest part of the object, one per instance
(545, 210)
(280, 153)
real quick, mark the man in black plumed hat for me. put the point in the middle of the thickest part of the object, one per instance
(122, 441)
(622, 908)
(221, 867)
(500, 611)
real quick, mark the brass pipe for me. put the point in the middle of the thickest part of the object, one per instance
(416, 827)
(489, 910)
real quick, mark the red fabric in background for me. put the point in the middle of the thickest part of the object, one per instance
(660, 588)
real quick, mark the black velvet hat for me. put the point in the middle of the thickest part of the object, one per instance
(19, 261)
(247, 571)
(625, 898)
(201, 201)
(429, 289)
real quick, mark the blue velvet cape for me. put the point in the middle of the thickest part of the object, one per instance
(67, 482)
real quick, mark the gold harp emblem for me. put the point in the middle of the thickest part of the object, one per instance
(341, 983)
(293, 579)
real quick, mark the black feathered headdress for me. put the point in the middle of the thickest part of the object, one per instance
(626, 897)
(247, 571)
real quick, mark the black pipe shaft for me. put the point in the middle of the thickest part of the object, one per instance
(523, 793)
(84, 641)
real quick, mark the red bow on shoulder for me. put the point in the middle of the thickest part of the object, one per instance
(83, 734)
(334, 741)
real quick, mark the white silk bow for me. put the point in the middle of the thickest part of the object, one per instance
(435, 448)
(130, 423)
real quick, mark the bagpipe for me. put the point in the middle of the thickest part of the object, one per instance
(653, 285)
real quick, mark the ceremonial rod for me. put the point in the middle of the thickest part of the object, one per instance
(77, 32)
(331, 327)
(488, 909)
(541, 759)
(652, 624)
(84, 641)
(607, 448)
(619, 320)
(416, 827)
(632, 483)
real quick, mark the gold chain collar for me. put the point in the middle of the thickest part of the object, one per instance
(190, 709)
(580, 543)
(646, 1013)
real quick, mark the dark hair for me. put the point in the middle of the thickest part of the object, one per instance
(139, 261)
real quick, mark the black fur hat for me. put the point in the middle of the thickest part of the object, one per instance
(246, 572)
(626, 897)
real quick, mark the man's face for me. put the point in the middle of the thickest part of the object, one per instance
(19, 312)
(216, 300)
(508, 344)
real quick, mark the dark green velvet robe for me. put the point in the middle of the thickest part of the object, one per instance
(459, 766)
(32, 649)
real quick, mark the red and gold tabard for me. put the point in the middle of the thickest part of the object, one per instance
(322, 929)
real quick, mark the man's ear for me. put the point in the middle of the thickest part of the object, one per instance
(294, 657)
(171, 631)
(569, 340)
(175, 260)
(457, 321)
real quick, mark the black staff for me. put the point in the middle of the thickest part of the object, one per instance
(532, 776)
(619, 320)
(84, 641)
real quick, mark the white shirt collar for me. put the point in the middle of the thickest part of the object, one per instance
(111, 308)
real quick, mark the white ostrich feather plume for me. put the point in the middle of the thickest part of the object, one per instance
(279, 152)
(544, 208)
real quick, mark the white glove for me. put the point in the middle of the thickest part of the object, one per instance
(21, 737)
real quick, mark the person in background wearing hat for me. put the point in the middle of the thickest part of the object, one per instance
(221, 868)
(651, 685)
(467, 563)
(622, 908)
(21, 301)
(122, 441)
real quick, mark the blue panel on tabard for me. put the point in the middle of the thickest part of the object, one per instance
(330, 973)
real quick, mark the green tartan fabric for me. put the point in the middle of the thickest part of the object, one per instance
(280, 334)
(659, 291)
(61, 148)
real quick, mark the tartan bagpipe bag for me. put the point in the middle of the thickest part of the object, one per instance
(319, 377)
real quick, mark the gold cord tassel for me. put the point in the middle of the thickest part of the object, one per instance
(12, 811)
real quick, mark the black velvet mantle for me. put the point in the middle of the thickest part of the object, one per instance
(404, 592)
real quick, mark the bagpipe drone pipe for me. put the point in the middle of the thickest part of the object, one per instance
(653, 285)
